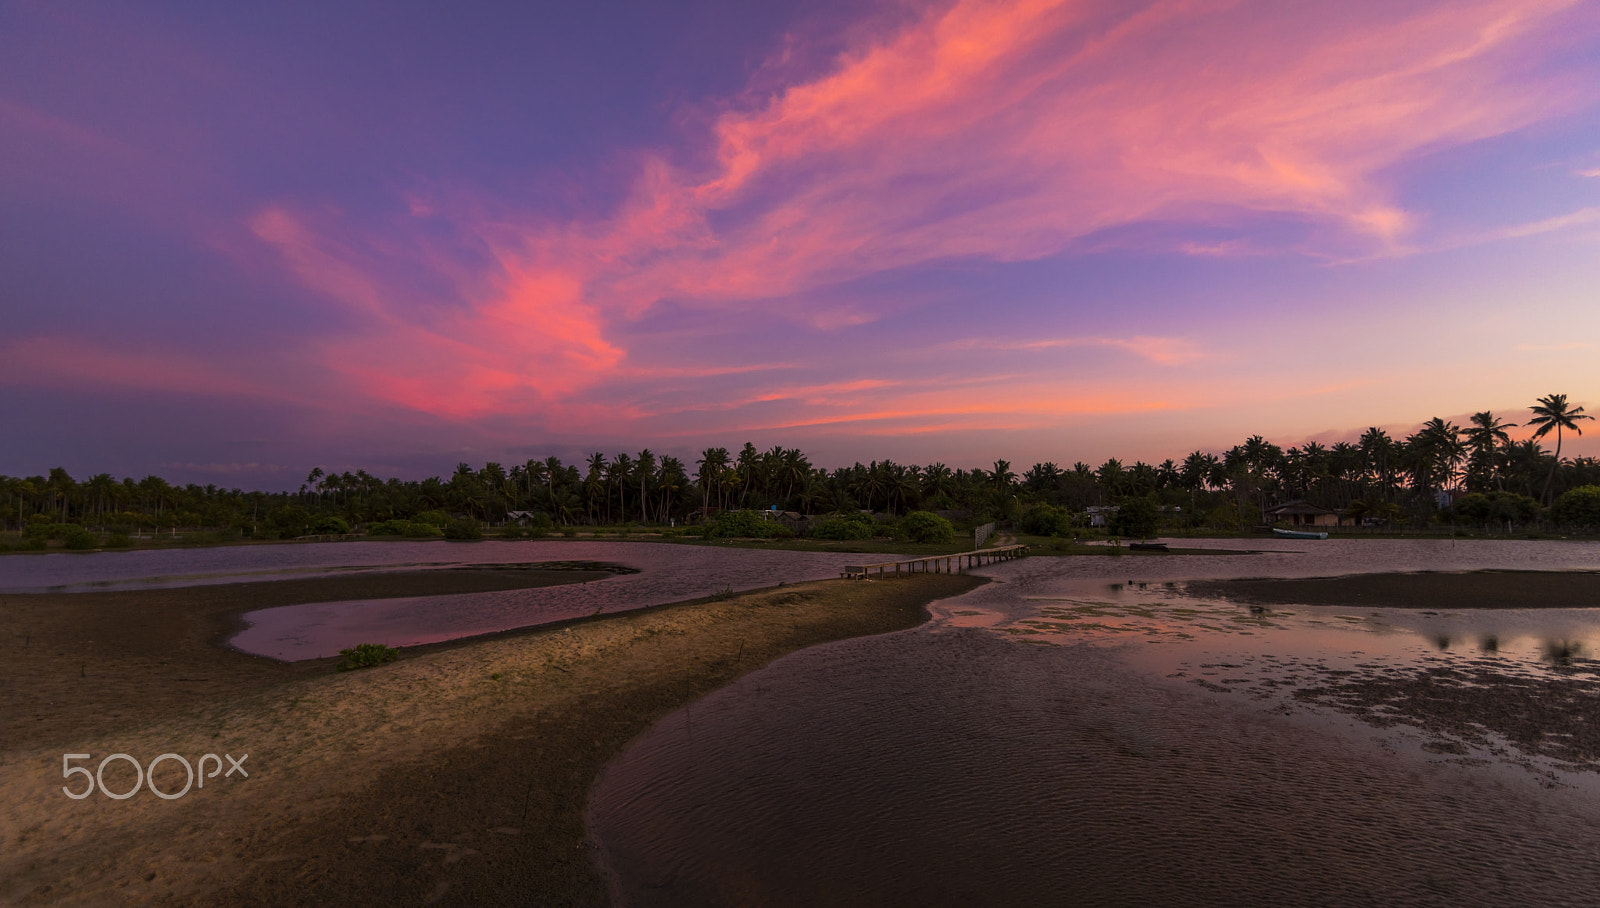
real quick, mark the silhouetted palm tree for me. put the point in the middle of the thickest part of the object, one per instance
(1553, 412)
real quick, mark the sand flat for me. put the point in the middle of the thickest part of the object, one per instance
(428, 776)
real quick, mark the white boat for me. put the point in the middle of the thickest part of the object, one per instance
(1297, 534)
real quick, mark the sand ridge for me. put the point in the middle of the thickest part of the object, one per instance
(460, 771)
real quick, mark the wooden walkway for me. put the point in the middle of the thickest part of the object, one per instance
(936, 564)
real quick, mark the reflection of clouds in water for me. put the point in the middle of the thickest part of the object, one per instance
(1052, 601)
(667, 573)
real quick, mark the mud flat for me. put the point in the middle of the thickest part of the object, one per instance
(1438, 591)
(458, 773)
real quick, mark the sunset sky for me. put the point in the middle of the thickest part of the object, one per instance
(241, 240)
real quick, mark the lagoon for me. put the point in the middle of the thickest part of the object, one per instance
(1087, 730)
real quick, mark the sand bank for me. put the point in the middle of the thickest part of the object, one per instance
(459, 772)
(1438, 591)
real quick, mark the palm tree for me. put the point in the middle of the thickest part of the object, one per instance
(712, 462)
(645, 466)
(1486, 438)
(1553, 412)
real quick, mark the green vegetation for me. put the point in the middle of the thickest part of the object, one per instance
(730, 524)
(923, 526)
(465, 529)
(1137, 518)
(1046, 520)
(1442, 476)
(366, 655)
(1578, 507)
(845, 526)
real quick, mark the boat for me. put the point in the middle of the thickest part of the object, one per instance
(1297, 534)
(1148, 546)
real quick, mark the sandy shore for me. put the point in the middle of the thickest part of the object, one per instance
(459, 773)
(82, 663)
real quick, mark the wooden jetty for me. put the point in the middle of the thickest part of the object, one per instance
(936, 564)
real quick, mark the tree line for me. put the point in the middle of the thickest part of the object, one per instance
(1473, 473)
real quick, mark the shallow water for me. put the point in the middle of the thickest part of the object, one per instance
(1066, 735)
(667, 573)
(69, 572)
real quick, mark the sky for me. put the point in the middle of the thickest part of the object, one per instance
(241, 240)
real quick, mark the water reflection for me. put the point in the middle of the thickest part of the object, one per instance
(1082, 731)
(666, 573)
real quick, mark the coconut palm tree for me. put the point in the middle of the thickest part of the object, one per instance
(1486, 439)
(1553, 412)
(645, 467)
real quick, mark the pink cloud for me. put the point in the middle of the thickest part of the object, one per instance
(1002, 131)
(59, 361)
(524, 340)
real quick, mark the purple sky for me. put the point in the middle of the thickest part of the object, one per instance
(237, 242)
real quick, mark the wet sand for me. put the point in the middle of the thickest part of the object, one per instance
(80, 663)
(459, 773)
(1438, 591)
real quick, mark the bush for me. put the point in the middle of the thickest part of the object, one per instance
(434, 518)
(406, 528)
(466, 528)
(1496, 507)
(924, 526)
(79, 538)
(745, 524)
(1577, 507)
(330, 525)
(366, 656)
(513, 531)
(118, 541)
(1136, 518)
(1045, 520)
(845, 527)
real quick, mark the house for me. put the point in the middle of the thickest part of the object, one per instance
(1301, 514)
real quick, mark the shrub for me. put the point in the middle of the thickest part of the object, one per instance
(730, 524)
(406, 528)
(1577, 507)
(513, 531)
(924, 526)
(1136, 518)
(118, 541)
(434, 518)
(330, 525)
(79, 538)
(1496, 507)
(845, 526)
(366, 655)
(466, 528)
(1045, 520)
